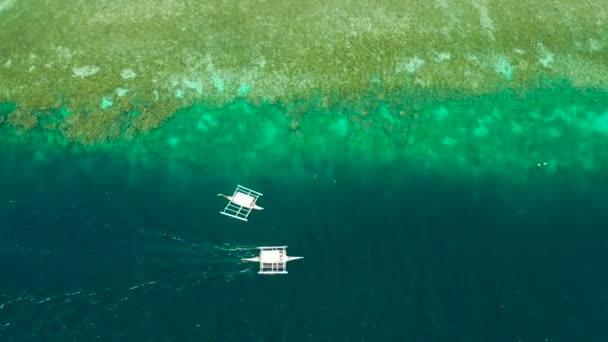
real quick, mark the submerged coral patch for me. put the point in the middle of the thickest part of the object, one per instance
(85, 71)
(106, 102)
(505, 68)
(600, 123)
(6, 4)
(128, 74)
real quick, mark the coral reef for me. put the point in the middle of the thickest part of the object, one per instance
(154, 57)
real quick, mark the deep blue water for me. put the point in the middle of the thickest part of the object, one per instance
(95, 249)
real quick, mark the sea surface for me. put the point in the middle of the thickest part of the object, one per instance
(93, 248)
(440, 165)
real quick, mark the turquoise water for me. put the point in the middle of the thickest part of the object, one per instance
(440, 165)
(553, 130)
(96, 248)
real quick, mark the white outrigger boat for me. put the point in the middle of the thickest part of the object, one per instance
(241, 203)
(273, 260)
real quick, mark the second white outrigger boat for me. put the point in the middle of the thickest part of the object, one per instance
(273, 260)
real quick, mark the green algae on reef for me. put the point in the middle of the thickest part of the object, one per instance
(154, 57)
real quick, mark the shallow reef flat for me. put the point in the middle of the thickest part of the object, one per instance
(476, 83)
